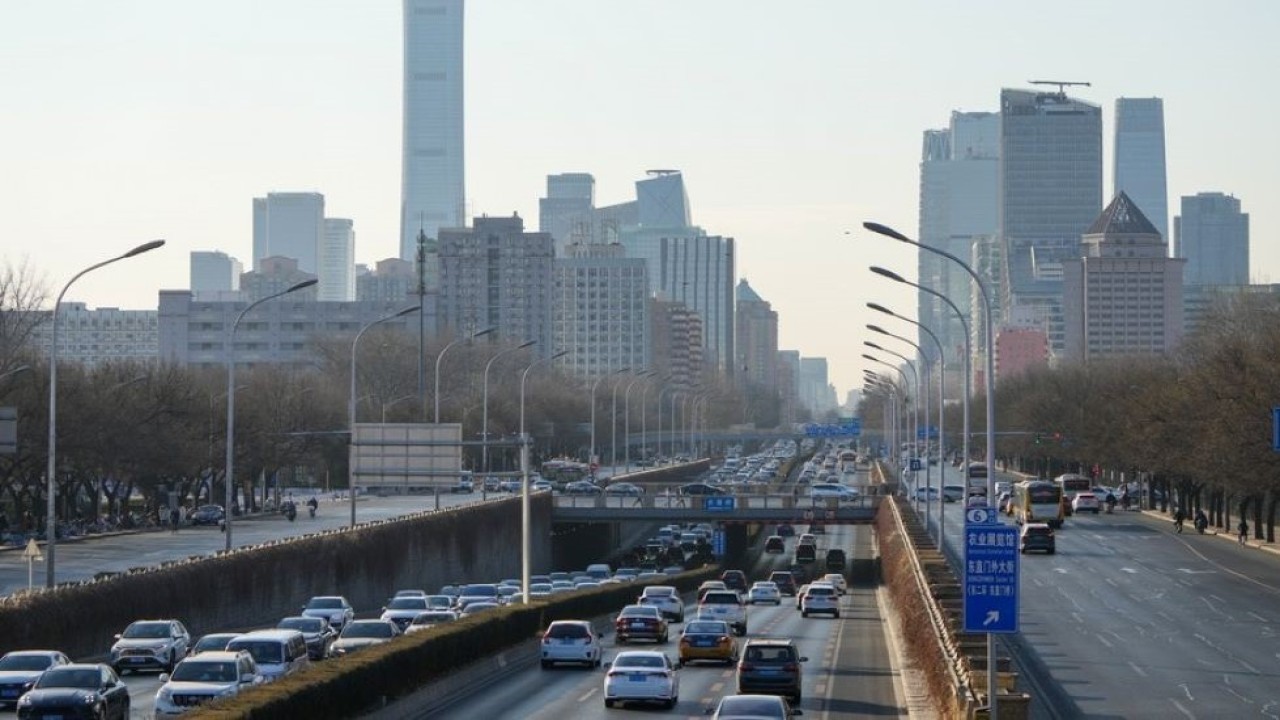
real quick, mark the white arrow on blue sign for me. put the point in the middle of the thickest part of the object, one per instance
(990, 577)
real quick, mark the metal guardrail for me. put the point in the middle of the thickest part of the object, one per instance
(728, 508)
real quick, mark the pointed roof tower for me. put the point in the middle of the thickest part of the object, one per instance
(745, 293)
(1122, 217)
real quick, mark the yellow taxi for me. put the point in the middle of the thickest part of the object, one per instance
(708, 640)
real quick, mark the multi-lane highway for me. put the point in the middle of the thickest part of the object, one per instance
(1129, 619)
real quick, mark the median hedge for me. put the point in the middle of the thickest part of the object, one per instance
(348, 686)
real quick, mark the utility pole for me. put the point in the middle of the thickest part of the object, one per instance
(422, 320)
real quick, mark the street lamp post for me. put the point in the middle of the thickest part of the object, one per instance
(613, 429)
(440, 357)
(595, 458)
(351, 406)
(626, 419)
(942, 365)
(968, 370)
(51, 517)
(928, 473)
(991, 409)
(659, 402)
(644, 415)
(675, 436)
(903, 396)
(915, 431)
(526, 541)
(484, 422)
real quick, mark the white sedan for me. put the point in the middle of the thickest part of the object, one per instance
(1085, 502)
(832, 490)
(837, 581)
(642, 676)
(764, 591)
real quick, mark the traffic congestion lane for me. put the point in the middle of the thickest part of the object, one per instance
(1130, 618)
(142, 696)
(81, 559)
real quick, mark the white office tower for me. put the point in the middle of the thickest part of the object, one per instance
(288, 224)
(337, 266)
(1213, 235)
(699, 272)
(661, 210)
(1139, 159)
(214, 274)
(567, 212)
(432, 187)
(600, 310)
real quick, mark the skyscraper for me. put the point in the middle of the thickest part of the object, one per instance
(432, 185)
(336, 268)
(699, 272)
(1213, 235)
(567, 210)
(756, 338)
(1050, 193)
(288, 224)
(214, 273)
(600, 310)
(1139, 158)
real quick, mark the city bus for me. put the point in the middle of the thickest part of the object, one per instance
(1037, 501)
(976, 478)
(1072, 483)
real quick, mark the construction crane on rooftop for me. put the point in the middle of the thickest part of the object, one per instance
(1062, 84)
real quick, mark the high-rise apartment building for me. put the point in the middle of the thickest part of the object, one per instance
(1123, 295)
(816, 392)
(494, 274)
(699, 272)
(289, 224)
(1139, 159)
(392, 279)
(99, 336)
(275, 275)
(567, 212)
(1213, 236)
(1050, 193)
(676, 343)
(788, 364)
(336, 267)
(959, 203)
(432, 184)
(600, 310)
(214, 273)
(756, 338)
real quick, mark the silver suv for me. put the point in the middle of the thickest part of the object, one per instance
(727, 606)
(150, 644)
(204, 677)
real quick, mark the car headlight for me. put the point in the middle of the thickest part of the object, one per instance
(24, 700)
(164, 693)
(88, 698)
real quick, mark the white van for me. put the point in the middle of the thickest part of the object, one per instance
(277, 653)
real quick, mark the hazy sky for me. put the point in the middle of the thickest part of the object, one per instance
(130, 120)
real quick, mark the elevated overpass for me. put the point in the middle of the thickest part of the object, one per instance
(750, 508)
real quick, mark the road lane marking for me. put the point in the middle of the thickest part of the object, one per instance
(1131, 571)
(1138, 670)
(587, 696)
(1257, 617)
(716, 687)
(1182, 709)
(1103, 640)
(1187, 689)
(1226, 569)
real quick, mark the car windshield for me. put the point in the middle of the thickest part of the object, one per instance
(638, 611)
(639, 661)
(706, 628)
(659, 591)
(211, 672)
(263, 651)
(325, 604)
(368, 630)
(480, 590)
(754, 707)
(146, 630)
(84, 678)
(306, 625)
(540, 587)
(408, 603)
(439, 601)
(567, 630)
(25, 662)
(778, 654)
(213, 642)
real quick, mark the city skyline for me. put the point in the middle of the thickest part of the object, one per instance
(250, 100)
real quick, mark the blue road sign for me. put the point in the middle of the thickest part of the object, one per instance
(1275, 429)
(717, 543)
(916, 464)
(930, 431)
(719, 503)
(847, 427)
(990, 577)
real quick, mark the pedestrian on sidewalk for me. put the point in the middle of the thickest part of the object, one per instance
(1243, 527)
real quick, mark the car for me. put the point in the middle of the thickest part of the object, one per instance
(429, 619)
(806, 553)
(1004, 503)
(928, 493)
(410, 593)
(822, 491)
(77, 690)
(954, 493)
(787, 530)
(754, 707)
(572, 641)
(582, 487)
(773, 666)
(800, 595)
(666, 598)
(510, 485)
(1036, 536)
(642, 676)
(490, 484)
(625, 489)
(540, 485)
(403, 610)
(785, 581)
(277, 653)
(478, 607)
(540, 590)
(708, 640)
(464, 485)
(835, 560)
(709, 585)
(359, 634)
(775, 545)
(154, 644)
(212, 641)
(821, 597)
(333, 608)
(764, 592)
(692, 489)
(199, 679)
(807, 539)
(640, 622)
(476, 592)
(316, 632)
(724, 605)
(1086, 502)
(837, 581)
(20, 669)
(207, 515)
(734, 580)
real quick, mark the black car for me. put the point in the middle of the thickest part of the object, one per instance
(76, 691)
(785, 581)
(734, 580)
(1036, 536)
(701, 489)
(775, 544)
(771, 666)
(786, 530)
(835, 560)
(207, 515)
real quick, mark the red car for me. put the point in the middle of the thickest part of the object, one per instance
(640, 622)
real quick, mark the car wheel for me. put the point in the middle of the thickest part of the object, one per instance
(669, 703)
(546, 664)
(804, 613)
(837, 615)
(608, 703)
(597, 662)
